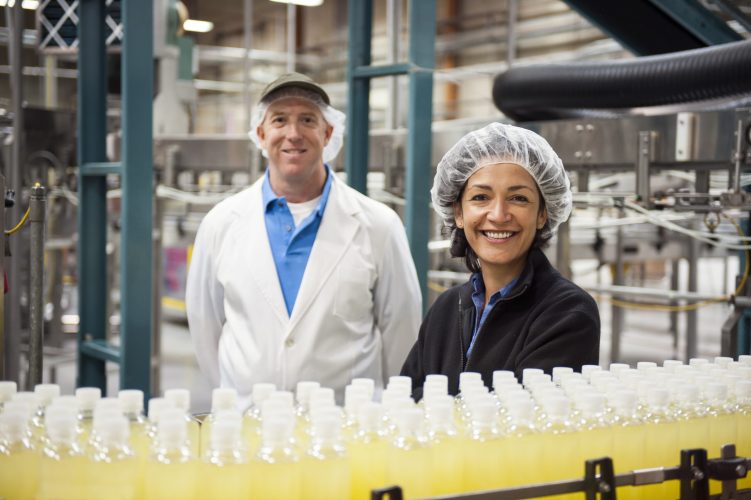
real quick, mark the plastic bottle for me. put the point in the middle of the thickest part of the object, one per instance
(19, 460)
(113, 469)
(222, 399)
(743, 425)
(224, 471)
(367, 452)
(63, 465)
(275, 471)
(408, 457)
(628, 439)
(252, 415)
(45, 394)
(595, 435)
(446, 450)
(559, 442)
(693, 429)
(521, 447)
(482, 465)
(180, 398)
(661, 441)
(87, 398)
(7, 390)
(722, 424)
(325, 466)
(171, 471)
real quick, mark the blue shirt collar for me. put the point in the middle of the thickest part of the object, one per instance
(269, 196)
(478, 287)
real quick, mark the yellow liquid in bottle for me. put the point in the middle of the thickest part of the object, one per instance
(276, 481)
(328, 478)
(628, 455)
(519, 456)
(743, 446)
(661, 450)
(170, 480)
(19, 474)
(367, 467)
(113, 480)
(483, 468)
(721, 432)
(447, 459)
(64, 479)
(693, 433)
(251, 433)
(230, 481)
(557, 463)
(194, 435)
(410, 469)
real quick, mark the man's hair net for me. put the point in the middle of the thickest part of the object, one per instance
(501, 143)
(333, 117)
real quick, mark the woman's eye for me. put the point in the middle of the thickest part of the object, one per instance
(520, 198)
(479, 197)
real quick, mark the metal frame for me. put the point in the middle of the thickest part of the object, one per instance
(419, 68)
(136, 171)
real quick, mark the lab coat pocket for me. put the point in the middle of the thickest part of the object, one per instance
(354, 298)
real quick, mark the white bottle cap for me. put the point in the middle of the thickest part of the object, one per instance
(275, 432)
(68, 401)
(225, 434)
(623, 402)
(397, 380)
(521, 410)
(172, 432)
(743, 389)
(114, 430)
(716, 391)
(180, 398)
(223, 398)
(156, 407)
(232, 415)
(322, 396)
(560, 371)
(590, 404)
(527, 372)
(61, 426)
(616, 367)
(697, 361)
(303, 391)
(354, 397)
(325, 413)
(272, 408)
(29, 398)
(642, 365)
(46, 393)
(24, 407)
(657, 397)
(745, 359)
(108, 404)
(326, 428)
(367, 383)
(132, 400)
(573, 385)
(370, 416)
(510, 398)
(87, 397)
(436, 382)
(7, 390)
(408, 420)
(261, 391)
(558, 407)
(722, 361)
(536, 378)
(588, 369)
(285, 397)
(13, 425)
(469, 378)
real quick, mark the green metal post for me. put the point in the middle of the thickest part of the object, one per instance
(92, 215)
(698, 20)
(358, 125)
(422, 23)
(137, 196)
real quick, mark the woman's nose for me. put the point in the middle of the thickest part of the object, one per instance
(499, 212)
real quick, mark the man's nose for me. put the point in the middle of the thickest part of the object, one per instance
(293, 130)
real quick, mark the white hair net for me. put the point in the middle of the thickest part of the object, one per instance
(501, 143)
(333, 117)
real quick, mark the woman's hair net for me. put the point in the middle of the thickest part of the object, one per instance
(501, 143)
(333, 117)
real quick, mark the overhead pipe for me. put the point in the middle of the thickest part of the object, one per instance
(556, 91)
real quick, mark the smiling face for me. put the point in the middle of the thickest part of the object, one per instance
(499, 211)
(294, 133)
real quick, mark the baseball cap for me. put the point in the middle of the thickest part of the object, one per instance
(295, 80)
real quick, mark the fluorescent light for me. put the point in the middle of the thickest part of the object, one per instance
(198, 26)
(304, 3)
(25, 4)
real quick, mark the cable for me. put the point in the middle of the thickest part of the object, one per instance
(20, 224)
(697, 305)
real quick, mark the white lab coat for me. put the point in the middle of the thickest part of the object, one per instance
(357, 313)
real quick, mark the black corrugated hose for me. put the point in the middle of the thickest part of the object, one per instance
(555, 91)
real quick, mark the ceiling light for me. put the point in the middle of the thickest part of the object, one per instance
(305, 3)
(198, 26)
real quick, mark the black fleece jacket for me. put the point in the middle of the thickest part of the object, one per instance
(546, 321)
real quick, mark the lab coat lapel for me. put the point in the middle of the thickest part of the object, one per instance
(334, 238)
(261, 264)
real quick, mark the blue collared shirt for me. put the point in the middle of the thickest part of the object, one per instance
(290, 245)
(478, 299)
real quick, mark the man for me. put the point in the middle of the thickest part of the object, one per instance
(300, 277)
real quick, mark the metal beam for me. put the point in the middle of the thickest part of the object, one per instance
(92, 191)
(137, 198)
(100, 168)
(422, 27)
(698, 20)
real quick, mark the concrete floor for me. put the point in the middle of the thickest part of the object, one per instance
(645, 337)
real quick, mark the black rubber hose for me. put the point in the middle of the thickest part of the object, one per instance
(552, 91)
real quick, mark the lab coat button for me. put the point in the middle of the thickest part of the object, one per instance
(289, 342)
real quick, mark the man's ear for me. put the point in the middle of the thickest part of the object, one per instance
(329, 131)
(261, 134)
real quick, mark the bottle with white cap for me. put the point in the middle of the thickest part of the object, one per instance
(743, 425)
(222, 399)
(693, 431)
(367, 452)
(172, 469)
(521, 447)
(661, 440)
(87, 398)
(446, 446)
(224, 472)
(595, 434)
(113, 465)
(628, 438)
(252, 416)
(180, 398)
(722, 424)
(325, 464)
(408, 457)
(275, 470)
(19, 458)
(45, 394)
(7, 390)
(560, 441)
(132, 404)
(483, 468)
(354, 397)
(63, 463)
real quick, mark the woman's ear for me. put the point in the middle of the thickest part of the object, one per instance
(458, 215)
(542, 218)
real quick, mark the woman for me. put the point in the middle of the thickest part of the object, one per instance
(501, 192)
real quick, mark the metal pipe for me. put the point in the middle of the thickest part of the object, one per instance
(291, 36)
(393, 23)
(616, 318)
(738, 157)
(692, 316)
(247, 43)
(37, 212)
(652, 293)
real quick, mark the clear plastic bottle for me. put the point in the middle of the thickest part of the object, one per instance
(408, 457)
(367, 452)
(252, 415)
(180, 398)
(628, 439)
(19, 459)
(560, 442)
(521, 447)
(482, 465)
(446, 450)
(661, 441)
(595, 434)
(222, 399)
(224, 471)
(113, 469)
(171, 471)
(63, 470)
(275, 470)
(45, 394)
(87, 398)
(743, 425)
(325, 466)
(7, 390)
(156, 407)
(693, 429)
(132, 404)
(722, 424)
